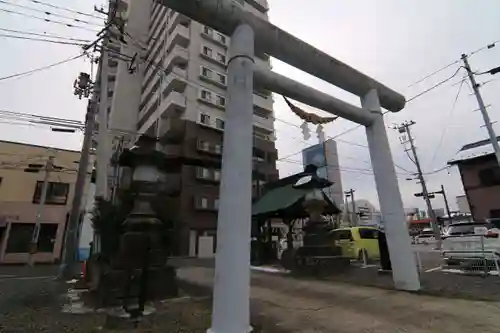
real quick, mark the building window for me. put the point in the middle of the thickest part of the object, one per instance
(219, 123)
(57, 193)
(202, 173)
(207, 51)
(206, 72)
(490, 176)
(208, 31)
(221, 100)
(217, 175)
(221, 78)
(216, 204)
(203, 145)
(201, 203)
(259, 154)
(221, 38)
(204, 119)
(221, 57)
(206, 95)
(21, 233)
(218, 149)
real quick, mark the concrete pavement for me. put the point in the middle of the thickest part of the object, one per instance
(317, 306)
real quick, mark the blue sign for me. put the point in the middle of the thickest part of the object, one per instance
(316, 155)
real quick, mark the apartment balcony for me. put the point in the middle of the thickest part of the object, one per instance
(176, 81)
(173, 105)
(260, 5)
(172, 131)
(263, 133)
(178, 56)
(179, 36)
(176, 19)
(263, 104)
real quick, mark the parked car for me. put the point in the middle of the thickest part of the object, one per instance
(357, 242)
(466, 244)
(426, 236)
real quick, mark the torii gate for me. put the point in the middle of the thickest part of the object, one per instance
(249, 33)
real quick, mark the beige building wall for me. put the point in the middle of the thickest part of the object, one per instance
(17, 190)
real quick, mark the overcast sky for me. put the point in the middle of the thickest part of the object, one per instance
(395, 41)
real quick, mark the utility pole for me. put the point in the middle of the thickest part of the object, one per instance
(442, 192)
(405, 128)
(352, 216)
(41, 204)
(482, 108)
(102, 144)
(67, 267)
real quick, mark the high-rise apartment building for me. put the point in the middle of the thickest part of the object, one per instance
(175, 90)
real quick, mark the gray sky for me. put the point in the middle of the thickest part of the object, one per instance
(395, 41)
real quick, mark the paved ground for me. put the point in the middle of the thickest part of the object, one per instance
(31, 301)
(319, 306)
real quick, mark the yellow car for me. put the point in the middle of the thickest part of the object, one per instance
(357, 242)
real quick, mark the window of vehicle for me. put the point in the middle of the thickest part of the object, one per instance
(368, 233)
(343, 235)
(463, 229)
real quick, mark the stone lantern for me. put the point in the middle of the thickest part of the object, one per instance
(316, 231)
(143, 251)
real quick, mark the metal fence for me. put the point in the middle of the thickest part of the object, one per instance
(473, 254)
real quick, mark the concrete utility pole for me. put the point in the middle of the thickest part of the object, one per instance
(232, 262)
(67, 268)
(353, 216)
(482, 108)
(405, 128)
(102, 142)
(41, 205)
(445, 198)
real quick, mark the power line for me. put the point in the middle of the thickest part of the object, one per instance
(42, 40)
(48, 35)
(63, 8)
(434, 73)
(489, 46)
(450, 115)
(48, 13)
(434, 86)
(40, 68)
(47, 20)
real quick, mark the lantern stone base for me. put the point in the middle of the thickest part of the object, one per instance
(115, 288)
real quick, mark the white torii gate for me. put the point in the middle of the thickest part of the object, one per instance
(249, 33)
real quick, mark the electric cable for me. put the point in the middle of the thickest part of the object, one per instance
(443, 130)
(63, 8)
(69, 25)
(40, 68)
(48, 13)
(434, 86)
(489, 46)
(434, 73)
(43, 40)
(47, 35)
